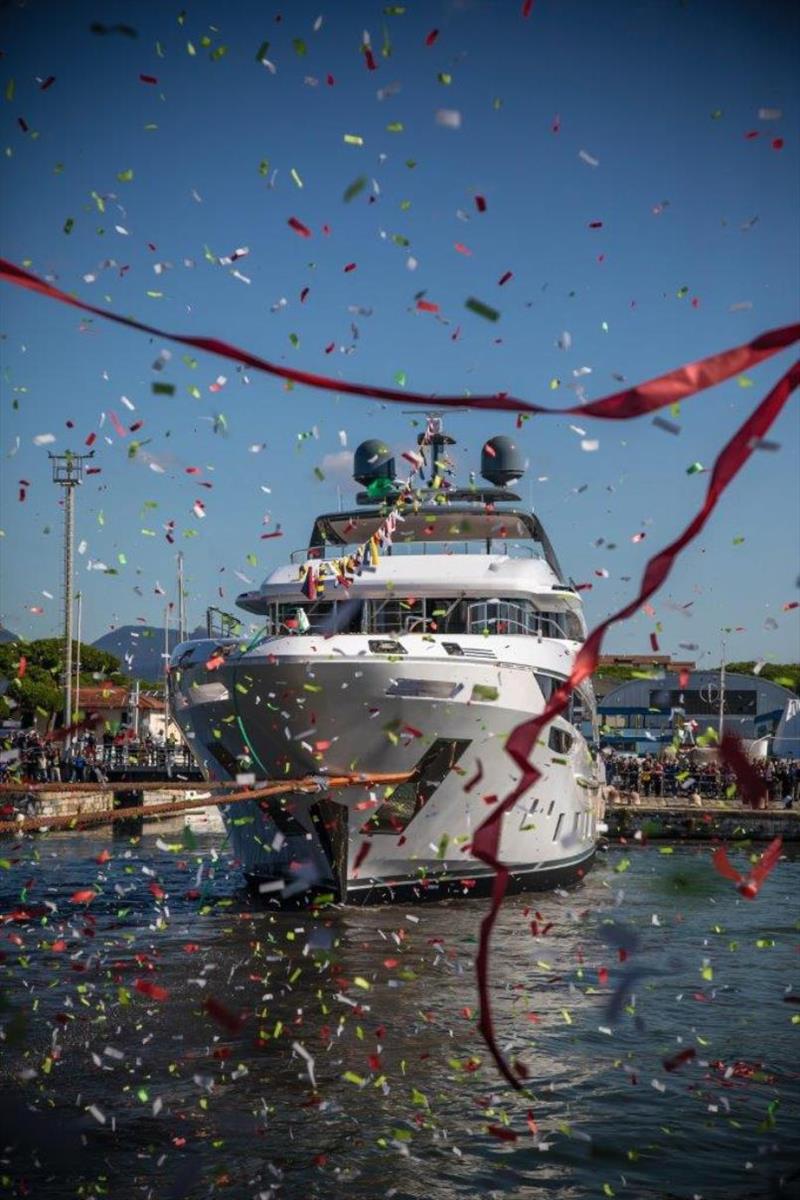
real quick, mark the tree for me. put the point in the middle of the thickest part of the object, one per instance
(36, 689)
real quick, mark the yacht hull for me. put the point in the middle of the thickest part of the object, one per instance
(300, 706)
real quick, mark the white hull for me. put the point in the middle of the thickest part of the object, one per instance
(299, 706)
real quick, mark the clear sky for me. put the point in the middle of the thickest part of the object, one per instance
(674, 124)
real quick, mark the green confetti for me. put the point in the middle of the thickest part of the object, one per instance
(482, 310)
(353, 189)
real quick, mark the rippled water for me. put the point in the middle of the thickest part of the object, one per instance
(107, 1090)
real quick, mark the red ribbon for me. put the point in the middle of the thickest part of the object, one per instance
(648, 397)
(486, 841)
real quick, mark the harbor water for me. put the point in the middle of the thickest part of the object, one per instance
(168, 1037)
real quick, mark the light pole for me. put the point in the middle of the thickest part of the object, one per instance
(68, 474)
(79, 598)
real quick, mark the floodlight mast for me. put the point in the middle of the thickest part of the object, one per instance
(68, 474)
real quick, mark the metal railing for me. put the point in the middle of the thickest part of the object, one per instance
(498, 546)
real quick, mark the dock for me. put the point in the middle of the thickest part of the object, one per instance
(673, 820)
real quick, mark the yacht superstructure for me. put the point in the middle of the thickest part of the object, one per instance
(412, 635)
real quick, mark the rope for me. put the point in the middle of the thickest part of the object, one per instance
(289, 787)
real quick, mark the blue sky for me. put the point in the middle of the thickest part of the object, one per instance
(698, 250)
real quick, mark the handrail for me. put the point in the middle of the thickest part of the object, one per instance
(499, 547)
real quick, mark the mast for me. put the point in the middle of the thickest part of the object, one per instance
(181, 601)
(720, 722)
(166, 669)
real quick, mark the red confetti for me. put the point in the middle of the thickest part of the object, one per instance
(432, 36)
(677, 1060)
(231, 1021)
(153, 990)
(299, 227)
(502, 1133)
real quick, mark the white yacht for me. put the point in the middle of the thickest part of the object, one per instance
(411, 636)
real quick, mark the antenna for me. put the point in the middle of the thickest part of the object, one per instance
(68, 474)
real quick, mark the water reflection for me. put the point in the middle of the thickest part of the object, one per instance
(339, 1053)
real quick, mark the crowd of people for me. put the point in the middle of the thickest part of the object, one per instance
(684, 775)
(28, 756)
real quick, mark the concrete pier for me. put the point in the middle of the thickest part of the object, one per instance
(674, 821)
(56, 804)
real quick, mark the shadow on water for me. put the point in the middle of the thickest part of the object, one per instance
(170, 1038)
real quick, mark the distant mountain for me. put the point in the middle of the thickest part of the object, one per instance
(7, 636)
(140, 649)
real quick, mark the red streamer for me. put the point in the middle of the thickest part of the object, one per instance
(648, 397)
(486, 842)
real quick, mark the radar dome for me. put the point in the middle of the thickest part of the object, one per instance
(373, 460)
(501, 461)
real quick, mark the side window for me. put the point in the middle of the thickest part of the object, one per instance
(559, 740)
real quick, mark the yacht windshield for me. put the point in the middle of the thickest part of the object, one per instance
(441, 615)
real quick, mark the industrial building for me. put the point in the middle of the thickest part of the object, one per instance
(641, 715)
